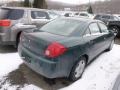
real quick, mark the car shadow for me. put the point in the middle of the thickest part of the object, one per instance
(7, 49)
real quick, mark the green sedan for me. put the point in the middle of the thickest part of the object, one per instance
(65, 46)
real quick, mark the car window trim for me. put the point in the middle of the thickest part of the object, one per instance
(86, 30)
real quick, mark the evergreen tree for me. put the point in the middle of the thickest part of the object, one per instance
(90, 10)
(26, 3)
(40, 4)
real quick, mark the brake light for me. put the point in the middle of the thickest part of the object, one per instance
(5, 23)
(55, 49)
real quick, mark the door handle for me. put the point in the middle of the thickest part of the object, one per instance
(104, 38)
(91, 41)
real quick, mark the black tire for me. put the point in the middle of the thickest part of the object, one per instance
(111, 45)
(116, 30)
(18, 40)
(73, 75)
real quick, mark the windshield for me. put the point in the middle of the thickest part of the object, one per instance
(53, 15)
(62, 26)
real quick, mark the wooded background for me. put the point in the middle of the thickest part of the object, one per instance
(108, 6)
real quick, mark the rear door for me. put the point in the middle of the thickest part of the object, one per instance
(39, 18)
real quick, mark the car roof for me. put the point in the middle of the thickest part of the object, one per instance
(104, 14)
(88, 20)
(25, 8)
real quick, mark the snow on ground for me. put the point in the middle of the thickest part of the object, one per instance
(99, 75)
(8, 63)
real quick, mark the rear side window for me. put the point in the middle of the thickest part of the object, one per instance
(94, 28)
(103, 27)
(12, 14)
(39, 15)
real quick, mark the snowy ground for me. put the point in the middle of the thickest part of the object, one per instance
(99, 75)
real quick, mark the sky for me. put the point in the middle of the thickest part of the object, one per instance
(76, 1)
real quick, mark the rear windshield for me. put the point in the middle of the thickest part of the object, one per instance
(63, 27)
(12, 14)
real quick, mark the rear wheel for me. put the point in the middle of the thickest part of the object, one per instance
(78, 69)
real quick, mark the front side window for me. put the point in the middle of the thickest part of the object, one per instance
(38, 15)
(103, 27)
(94, 28)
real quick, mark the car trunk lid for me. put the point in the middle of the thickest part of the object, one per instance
(39, 41)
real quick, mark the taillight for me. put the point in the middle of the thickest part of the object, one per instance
(5, 23)
(54, 50)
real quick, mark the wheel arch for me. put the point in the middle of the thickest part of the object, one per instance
(84, 55)
(17, 37)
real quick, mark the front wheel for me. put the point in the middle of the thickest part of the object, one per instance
(116, 30)
(78, 69)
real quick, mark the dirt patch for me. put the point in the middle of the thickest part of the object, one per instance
(16, 78)
(42, 82)
(7, 49)
(24, 75)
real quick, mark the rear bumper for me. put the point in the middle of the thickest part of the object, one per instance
(4, 40)
(43, 66)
